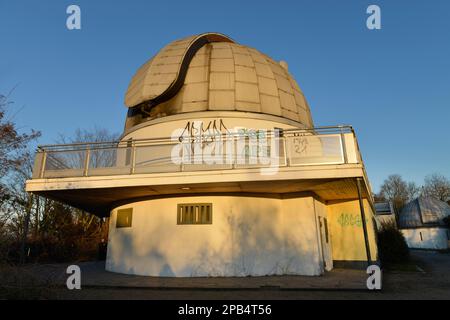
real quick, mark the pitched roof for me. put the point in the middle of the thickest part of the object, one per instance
(423, 212)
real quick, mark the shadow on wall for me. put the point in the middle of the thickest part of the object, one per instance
(120, 260)
(166, 271)
(251, 242)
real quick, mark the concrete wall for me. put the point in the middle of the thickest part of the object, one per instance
(426, 238)
(248, 236)
(347, 236)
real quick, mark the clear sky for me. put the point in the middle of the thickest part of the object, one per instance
(392, 85)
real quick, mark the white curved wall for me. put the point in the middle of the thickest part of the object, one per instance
(164, 127)
(248, 236)
(426, 238)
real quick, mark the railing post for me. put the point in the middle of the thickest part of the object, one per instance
(235, 151)
(344, 148)
(355, 142)
(86, 162)
(287, 161)
(133, 157)
(182, 154)
(43, 163)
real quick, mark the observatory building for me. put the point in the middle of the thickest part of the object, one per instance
(219, 172)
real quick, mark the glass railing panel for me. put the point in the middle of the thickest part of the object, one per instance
(60, 164)
(295, 148)
(208, 155)
(315, 149)
(269, 152)
(109, 161)
(155, 159)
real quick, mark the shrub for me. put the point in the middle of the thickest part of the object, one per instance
(392, 245)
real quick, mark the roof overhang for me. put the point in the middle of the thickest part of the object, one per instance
(98, 195)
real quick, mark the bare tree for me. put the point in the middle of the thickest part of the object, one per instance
(39, 225)
(437, 186)
(13, 146)
(99, 157)
(14, 164)
(412, 191)
(25, 203)
(398, 191)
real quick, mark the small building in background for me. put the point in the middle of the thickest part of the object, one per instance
(422, 223)
(384, 214)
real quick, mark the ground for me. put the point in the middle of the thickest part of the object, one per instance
(429, 278)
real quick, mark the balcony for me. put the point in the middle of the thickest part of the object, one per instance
(93, 176)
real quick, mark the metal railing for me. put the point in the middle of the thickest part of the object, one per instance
(299, 147)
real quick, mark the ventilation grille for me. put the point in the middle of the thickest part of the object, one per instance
(194, 213)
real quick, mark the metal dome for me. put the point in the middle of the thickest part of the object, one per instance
(423, 212)
(212, 72)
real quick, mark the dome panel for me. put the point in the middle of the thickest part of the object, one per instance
(211, 72)
(166, 64)
(423, 212)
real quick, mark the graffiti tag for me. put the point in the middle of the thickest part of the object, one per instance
(350, 220)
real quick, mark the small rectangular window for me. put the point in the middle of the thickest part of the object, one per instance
(124, 218)
(421, 238)
(194, 213)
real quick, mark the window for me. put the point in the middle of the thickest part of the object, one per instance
(421, 238)
(194, 213)
(124, 218)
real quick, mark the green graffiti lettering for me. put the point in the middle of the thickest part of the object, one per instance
(350, 220)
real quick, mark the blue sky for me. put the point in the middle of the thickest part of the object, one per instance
(392, 85)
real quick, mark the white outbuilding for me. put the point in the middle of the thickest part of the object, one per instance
(422, 223)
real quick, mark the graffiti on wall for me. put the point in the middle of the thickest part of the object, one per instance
(350, 220)
(204, 134)
(195, 130)
(300, 145)
(211, 142)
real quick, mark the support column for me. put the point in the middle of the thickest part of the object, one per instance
(363, 219)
